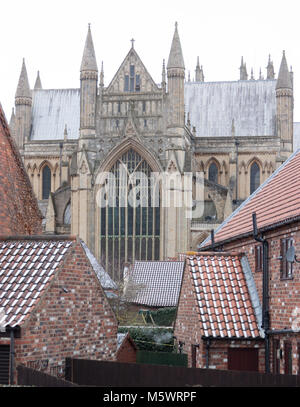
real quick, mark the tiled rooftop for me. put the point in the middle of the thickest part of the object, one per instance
(159, 282)
(27, 266)
(275, 201)
(222, 296)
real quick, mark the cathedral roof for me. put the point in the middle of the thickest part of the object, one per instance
(213, 105)
(52, 110)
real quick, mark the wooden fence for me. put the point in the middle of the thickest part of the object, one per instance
(32, 377)
(114, 374)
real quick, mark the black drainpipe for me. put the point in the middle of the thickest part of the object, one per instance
(265, 305)
(12, 356)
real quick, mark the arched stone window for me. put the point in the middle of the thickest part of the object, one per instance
(46, 182)
(130, 223)
(254, 177)
(67, 214)
(213, 173)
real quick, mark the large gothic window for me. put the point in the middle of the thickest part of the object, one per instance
(254, 177)
(130, 223)
(46, 182)
(213, 173)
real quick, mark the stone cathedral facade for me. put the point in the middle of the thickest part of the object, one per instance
(234, 134)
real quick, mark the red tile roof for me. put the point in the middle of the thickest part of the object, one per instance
(27, 267)
(275, 201)
(222, 295)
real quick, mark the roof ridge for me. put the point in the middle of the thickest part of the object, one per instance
(38, 237)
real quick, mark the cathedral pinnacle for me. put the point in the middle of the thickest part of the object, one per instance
(89, 62)
(284, 77)
(176, 57)
(270, 69)
(23, 89)
(38, 83)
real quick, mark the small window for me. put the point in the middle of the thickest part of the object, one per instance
(145, 123)
(126, 83)
(254, 177)
(137, 83)
(46, 182)
(213, 173)
(132, 71)
(144, 106)
(258, 258)
(286, 268)
(119, 107)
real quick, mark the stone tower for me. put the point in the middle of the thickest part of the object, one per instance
(23, 103)
(284, 107)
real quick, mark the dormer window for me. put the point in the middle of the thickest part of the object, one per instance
(132, 81)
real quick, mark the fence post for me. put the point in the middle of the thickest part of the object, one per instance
(68, 370)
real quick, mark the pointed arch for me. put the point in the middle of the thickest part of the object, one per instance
(127, 230)
(213, 169)
(42, 165)
(255, 176)
(124, 146)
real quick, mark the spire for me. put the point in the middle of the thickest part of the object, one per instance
(284, 77)
(270, 69)
(102, 76)
(23, 89)
(38, 83)
(243, 71)
(252, 75)
(199, 72)
(176, 57)
(12, 118)
(89, 62)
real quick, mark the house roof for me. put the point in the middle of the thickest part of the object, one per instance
(277, 200)
(27, 267)
(226, 298)
(157, 282)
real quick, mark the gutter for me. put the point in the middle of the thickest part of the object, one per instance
(245, 235)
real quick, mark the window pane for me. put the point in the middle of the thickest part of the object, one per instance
(46, 182)
(254, 177)
(131, 71)
(126, 83)
(67, 215)
(137, 83)
(213, 173)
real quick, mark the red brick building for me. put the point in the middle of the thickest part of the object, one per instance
(277, 207)
(19, 212)
(218, 316)
(52, 305)
(126, 349)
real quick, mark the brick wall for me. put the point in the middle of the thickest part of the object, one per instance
(126, 352)
(19, 213)
(188, 330)
(284, 293)
(77, 323)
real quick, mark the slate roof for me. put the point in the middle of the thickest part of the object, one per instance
(158, 282)
(27, 267)
(52, 110)
(224, 301)
(213, 105)
(275, 201)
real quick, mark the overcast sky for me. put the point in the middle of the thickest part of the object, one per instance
(50, 35)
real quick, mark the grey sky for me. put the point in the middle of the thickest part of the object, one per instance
(50, 35)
